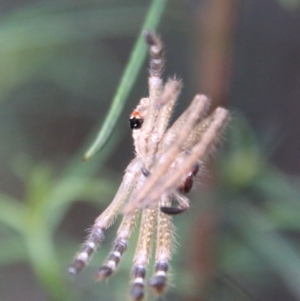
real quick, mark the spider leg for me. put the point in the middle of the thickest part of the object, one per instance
(85, 253)
(154, 113)
(143, 252)
(171, 135)
(156, 57)
(139, 199)
(119, 248)
(155, 84)
(164, 242)
(106, 219)
(164, 106)
(169, 182)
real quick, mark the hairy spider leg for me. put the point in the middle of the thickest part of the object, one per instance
(120, 245)
(85, 253)
(164, 244)
(123, 235)
(155, 84)
(172, 133)
(142, 253)
(106, 219)
(164, 105)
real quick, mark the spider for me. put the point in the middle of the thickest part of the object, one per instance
(157, 179)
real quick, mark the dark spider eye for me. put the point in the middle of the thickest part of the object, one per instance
(135, 123)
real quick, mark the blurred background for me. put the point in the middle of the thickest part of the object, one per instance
(60, 65)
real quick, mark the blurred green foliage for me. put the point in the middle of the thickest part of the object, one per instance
(56, 61)
(262, 204)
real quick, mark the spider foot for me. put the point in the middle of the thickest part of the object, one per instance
(103, 272)
(137, 292)
(137, 288)
(76, 267)
(159, 281)
(86, 252)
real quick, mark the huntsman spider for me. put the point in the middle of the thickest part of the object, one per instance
(157, 179)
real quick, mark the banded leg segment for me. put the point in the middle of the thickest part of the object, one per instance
(155, 81)
(106, 219)
(119, 248)
(156, 54)
(90, 246)
(164, 243)
(142, 253)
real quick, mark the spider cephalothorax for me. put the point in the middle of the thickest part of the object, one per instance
(155, 181)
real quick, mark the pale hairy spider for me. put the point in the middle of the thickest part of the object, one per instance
(155, 181)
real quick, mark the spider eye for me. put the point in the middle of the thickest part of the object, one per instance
(135, 123)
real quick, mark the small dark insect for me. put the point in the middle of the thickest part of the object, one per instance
(167, 160)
